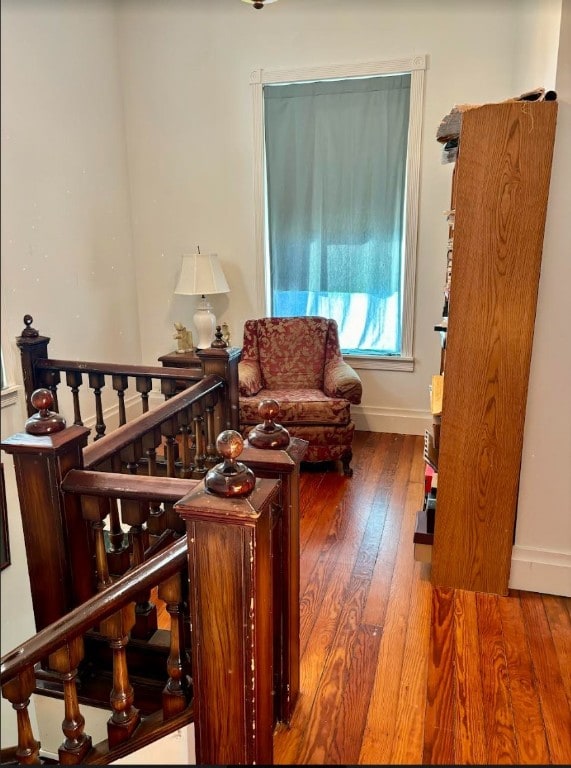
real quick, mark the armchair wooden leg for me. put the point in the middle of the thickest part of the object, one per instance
(346, 461)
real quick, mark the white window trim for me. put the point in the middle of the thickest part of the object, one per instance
(416, 65)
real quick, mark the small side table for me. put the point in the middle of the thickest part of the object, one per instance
(181, 360)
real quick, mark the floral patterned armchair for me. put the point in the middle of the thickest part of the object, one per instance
(297, 361)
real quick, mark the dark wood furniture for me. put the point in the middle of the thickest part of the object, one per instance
(91, 590)
(233, 569)
(499, 195)
(181, 360)
(285, 466)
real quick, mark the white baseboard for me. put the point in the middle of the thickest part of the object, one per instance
(403, 421)
(540, 570)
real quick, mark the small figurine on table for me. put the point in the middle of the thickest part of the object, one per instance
(226, 333)
(183, 337)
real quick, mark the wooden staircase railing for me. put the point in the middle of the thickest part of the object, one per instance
(78, 500)
(40, 371)
(62, 643)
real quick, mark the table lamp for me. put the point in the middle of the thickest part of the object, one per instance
(201, 274)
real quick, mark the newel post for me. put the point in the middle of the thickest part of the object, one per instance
(229, 530)
(55, 534)
(223, 361)
(32, 347)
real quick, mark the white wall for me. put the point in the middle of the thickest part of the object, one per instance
(541, 558)
(186, 67)
(66, 236)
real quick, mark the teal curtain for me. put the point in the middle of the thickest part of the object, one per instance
(336, 181)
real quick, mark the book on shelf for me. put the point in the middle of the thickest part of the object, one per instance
(430, 451)
(436, 393)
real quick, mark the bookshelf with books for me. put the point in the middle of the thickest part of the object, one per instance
(500, 188)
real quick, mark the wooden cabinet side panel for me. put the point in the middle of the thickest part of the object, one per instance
(218, 634)
(501, 190)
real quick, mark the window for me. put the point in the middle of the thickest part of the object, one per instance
(337, 198)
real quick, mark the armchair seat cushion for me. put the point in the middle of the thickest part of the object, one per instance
(299, 407)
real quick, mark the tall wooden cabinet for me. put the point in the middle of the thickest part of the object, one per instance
(499, 195)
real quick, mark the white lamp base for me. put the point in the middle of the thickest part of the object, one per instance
(205, 323)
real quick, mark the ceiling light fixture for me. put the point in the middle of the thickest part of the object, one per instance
(259, 3)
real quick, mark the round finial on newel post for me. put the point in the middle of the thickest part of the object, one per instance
(45, 422)
(218, 342)
(230, 477)
(269, 434)
(28, 331)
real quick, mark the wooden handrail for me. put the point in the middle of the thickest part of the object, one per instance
(155, 372)
(77, 622)
(123, 436)
(122, 486)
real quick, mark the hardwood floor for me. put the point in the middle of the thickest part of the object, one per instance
(394, 672)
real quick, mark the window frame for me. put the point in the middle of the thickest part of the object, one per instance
(415, 66)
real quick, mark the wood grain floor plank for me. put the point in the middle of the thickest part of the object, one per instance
(470, 742)
(322, 525)
(397, 676)
(498, 715)
(560, 626)
(377, 600)
(408, 743)
(321, 605)
(441, 685)
(526, 707)
(328, 493)
(340, 706)
(554, 703)
(379, 732)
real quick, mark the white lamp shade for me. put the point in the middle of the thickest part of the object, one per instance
(201, 274)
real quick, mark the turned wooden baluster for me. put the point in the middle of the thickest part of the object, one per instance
(200, 455)
(168, 388)
(66, 661)
(172, 518)
(18, 692)
(156, 522)
(95, 509)
(184, 440)
(125, 717)
(118, 550)
(135, 513)
(169, 430)
(211, 453)
(144, 385)
(74, 380)
(120, 382)
(130, 456)
(97, 382)
(177, 691)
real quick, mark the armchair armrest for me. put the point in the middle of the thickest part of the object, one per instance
(249, 377)
(342, 381)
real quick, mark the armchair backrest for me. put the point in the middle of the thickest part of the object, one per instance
(291, 351)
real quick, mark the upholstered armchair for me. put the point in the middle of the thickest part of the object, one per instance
(298, 362)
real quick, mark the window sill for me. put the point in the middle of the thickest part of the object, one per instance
(371, 363)
(9, 396)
